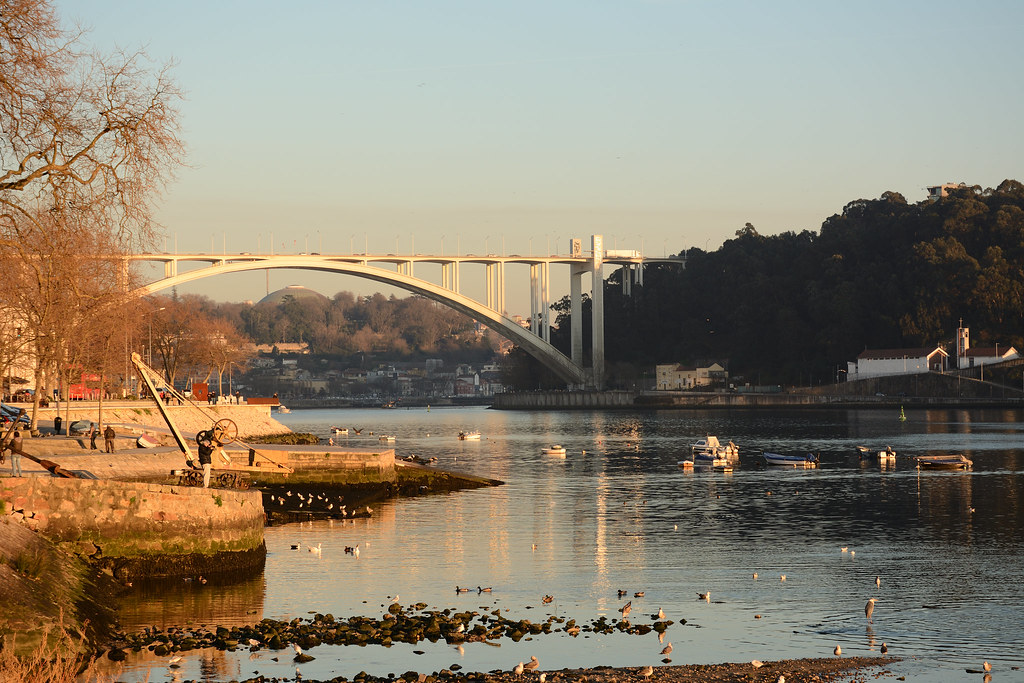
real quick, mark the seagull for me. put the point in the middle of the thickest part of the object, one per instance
(518, 669)
(315, 549)
(667, 650)
(298, 650)
(661, 613)
(704, 596)
(626, 609)
(869, 608)
(532, 664)
(884, 648)
(852, 553)
(782, 679)
(844, 549)
(878, 581)
(173, 662)
(394, 600)
(647, 671)
(838, 652)
(755, 576)
(254, 642)
(782, 577)
(987, 667)
(542, 678)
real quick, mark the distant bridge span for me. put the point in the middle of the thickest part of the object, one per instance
(535, 340)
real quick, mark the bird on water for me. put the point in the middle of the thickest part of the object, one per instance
(870, 608)
(626, 609)
(667, 650)
(838, 652)
(706, 597)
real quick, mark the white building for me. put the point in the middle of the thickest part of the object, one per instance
(971, 357)
(882, 362)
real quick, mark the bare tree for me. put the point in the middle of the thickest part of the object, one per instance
(87, 142)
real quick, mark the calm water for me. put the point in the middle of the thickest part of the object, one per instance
(618, 513)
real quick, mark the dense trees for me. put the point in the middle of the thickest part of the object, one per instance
(793, 307)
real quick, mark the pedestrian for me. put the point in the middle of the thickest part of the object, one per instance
(93, 433)
(108, 439)
(207, 441)
(16, 444)
(56, 424)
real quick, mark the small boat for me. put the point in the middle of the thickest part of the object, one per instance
(686, 464)
(710, 445)
(944, 462)
(339, 430)
(718, 462)
(888, 455)
(283, 409)
(387, 438)
(776, 459)
(147, 441)
(469, 436)
(554, 449)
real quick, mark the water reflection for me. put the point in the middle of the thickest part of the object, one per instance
(623, 516)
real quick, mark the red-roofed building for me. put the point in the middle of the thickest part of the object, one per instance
(881, 362)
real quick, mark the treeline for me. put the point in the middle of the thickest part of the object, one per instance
(348, 324)
(793, 308)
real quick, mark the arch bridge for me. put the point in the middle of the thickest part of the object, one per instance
(398, 270)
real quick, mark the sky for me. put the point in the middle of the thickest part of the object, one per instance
(490, 127)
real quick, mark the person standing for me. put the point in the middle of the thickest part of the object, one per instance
(108, 439)
(207, 441)
(93, 433)
(16, 443)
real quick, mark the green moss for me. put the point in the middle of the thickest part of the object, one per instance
(218, 501)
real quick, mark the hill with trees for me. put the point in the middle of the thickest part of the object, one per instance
(793, 308)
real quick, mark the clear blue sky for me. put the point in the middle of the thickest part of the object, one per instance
(659, 123)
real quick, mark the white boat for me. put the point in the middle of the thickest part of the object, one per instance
(710, 445)
(283, 409)
(387, 438)
(944, 462)
(718, 462)
(339, 430)
(888, 455)
(469, 436)
(809, 460)
(554, 449)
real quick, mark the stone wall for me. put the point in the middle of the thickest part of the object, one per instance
(564, 400)
(141, 529)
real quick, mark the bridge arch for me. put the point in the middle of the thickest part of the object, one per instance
(544, 352)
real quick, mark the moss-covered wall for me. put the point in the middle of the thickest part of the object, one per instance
(113, 519)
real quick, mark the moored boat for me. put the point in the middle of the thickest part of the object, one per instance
(777, 459)
(888, 455)
(710, 445)
(554, 449)
(716, 461)
(469, 436)
(387, 438)
(339, 430)
(944, 462)
(283, 409)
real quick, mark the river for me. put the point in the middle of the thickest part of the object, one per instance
(617, 513)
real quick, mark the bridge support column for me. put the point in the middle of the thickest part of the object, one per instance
(534, 296)
(545, 301)
(576, 313)
(597, 312)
